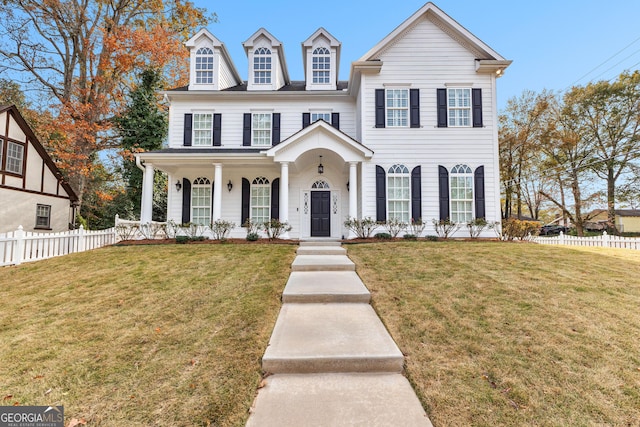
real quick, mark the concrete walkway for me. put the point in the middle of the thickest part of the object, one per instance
(332, 361)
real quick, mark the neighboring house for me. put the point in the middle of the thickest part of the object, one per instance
(412, 134)
(627, 220)
(33, 193)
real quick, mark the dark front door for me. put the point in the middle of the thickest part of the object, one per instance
(321, 213)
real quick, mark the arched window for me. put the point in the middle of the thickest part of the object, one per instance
(201, 201)
(260, 200)
(262, 66)
(398, 193)
(320, 184)
(204, 66)
(461, 193)
(321, 65)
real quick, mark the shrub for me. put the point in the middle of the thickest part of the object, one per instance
(432, 238)
(126, 232)
(192, 230)
(275, 228)
(518, 229)
(152, 230)
(252, 227)
(476, 226)
(416, 227)
(221, 229)
(361, 227)
(383, 236)
(410, 237)
(252, 237)
(444, 227)
(171, 229)
(394, 226)
(182, 239)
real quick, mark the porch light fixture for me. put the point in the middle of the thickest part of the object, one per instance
(229, 185)
(178, 186)
(347, 185)
(320, 167)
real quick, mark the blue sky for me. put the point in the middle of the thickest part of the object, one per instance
(553, 43)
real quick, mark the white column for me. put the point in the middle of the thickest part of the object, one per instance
(353, 193)
(146, 210)
(217, 193)
(284, 191)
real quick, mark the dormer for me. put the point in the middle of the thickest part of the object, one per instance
(321, 58)
(267, 66)
(210, 66)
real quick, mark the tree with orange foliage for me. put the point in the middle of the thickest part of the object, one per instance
(83, 55)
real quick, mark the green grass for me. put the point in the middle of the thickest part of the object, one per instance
(142, 335)
(512, 334)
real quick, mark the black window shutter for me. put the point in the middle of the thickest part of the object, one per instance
(246, 200)
(188, 126)
(335, 120)
(275, 199)
(246, 130)
(217, 130)
(442, 108)
(476, 102)
(414, 104)
(213, 186)
(275, 129)
(380, 120)
(478, 183)
(381, 194)
(443, 181)
(306, 120)
(186, 201)
(416, 193)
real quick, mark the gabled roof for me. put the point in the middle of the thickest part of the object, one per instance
(333, 42)
(250, 42)
(448, 24)
(192, 42)
(13, 110)
(319, 134)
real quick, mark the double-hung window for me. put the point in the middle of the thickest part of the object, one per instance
(260, 200)
(261, 129)
(204, 66)
(397, 103)
(201, 201)
(321, 116)
(202, 128)
(461, 189)
(398, 193)
(321, 65)
(459, 107)
(262, 66)
(43, 216)
(15, 154)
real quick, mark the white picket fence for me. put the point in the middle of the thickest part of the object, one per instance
(605, 241)
(22, 246)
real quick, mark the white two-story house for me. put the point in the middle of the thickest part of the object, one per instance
(412, 134)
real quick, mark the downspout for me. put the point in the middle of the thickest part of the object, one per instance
(139, 164)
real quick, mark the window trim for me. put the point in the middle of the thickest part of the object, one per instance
(208, 59)
(8, 154)
(268, 128)
(201, 183)
(194, 129)
(262, 73)
(461, 171)
(458, 108)
(398, 173)
(325, 55)
(389, 122)
(46, 226)
(327, 113)
(260, 182)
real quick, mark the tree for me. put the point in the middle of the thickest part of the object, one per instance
(142, 127)
(82, 54)
(610, 120)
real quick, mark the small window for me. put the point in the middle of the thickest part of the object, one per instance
(461, 194)
(261, 129)
(459, 107)
(43, 216)
(320, 184)
(262, 66)
(260, 200)
(201, 201)
(321, 66)
(204, 66)
(202, 128)
(321, 116)
(397, 107)
(398, 193)
(15, 153)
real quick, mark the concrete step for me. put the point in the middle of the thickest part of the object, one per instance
(335, 337)
(372, 400)
(320, 243)
(325, 287)
(322, 263)
(321, 250)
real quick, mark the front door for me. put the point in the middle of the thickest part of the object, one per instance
(320, 213)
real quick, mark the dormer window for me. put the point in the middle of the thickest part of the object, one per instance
(321, 66)
(204, 66)
(262, 66)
